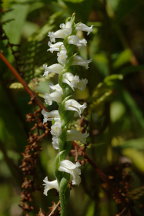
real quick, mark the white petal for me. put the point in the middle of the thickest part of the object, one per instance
(62, 56)
(55, 68)
(67, 25)
(56, 129)
(74, 134)
(68, 164)
(73, 105)
(62, 33)
(48, 99)
(55, 94)
(71, 168)
(49, 116)
(82, 84)
(76, 180)
(83, 27)
(54, 47)
(55, 142)
(48, 185)
(78, 60)
(73, 39)
(74, 81)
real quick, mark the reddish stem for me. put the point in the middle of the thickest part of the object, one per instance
(22, 81)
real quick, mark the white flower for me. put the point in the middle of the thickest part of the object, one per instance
(62, 55)
(55, 142)
(71, 168)
(68, 25)
(74, 134)
(58, 34)
(73, 105)
(56, 128)
(48, 185)
(55, 95)
(83, 27)
(73, 39)
(49, 116)
(74, 81)
(66, 29)
(54, 47)
(78, 60)
(55, 68)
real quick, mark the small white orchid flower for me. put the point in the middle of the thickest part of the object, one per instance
(73, 39)
(75, 135)
(78, 60)
(62, 55)
(49, 116)
(55, 142)
(71, 168)
(66, 29)
(48, 185)
(55, 95)
(82, 27)
(73, 105)
(73, 81)
(68, 25)
(54, 47)
(55, 68)
(56, 129)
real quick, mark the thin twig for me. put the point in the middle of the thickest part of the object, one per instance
(22, 81)
(53, 210)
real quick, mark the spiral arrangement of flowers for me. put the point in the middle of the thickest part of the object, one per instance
(63, 129)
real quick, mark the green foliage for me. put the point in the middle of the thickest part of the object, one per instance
(115, 110)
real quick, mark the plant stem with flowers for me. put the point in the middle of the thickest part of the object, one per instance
(63, 128)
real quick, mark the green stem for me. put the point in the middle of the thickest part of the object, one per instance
(64, 177)
(64, 195)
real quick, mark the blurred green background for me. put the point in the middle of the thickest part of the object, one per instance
(115, 97)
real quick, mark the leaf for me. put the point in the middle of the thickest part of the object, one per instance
(91, 208)
(123, 58)
(101, 61)
(111, 80)
(134, 108)
(136, 157)
(14, 28)
(137, 144)
(117, 110)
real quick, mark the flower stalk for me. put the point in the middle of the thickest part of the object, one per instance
(63, 129)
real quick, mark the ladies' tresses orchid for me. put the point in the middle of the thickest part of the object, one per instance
(71, 168)
(58, 34)
(49, 116)
(56, 94)
(62, 56)
(55, 47)
(48, 185)
(74, 81)
(75, 135)
(73, 105)
(56, 129)
(65, 30)
(67, 26)
(73, 39)
(55, 68)
(55, 142)
(62, 129)
(78, 60)
(82, 27)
